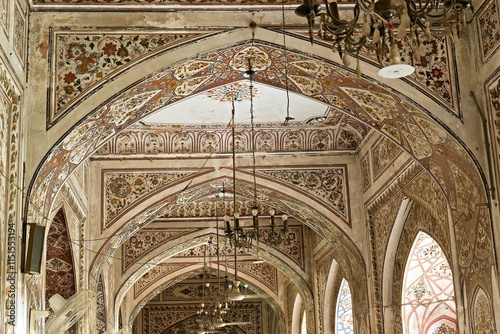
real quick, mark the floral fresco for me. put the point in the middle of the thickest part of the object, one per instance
(83, 61)
(488, 24)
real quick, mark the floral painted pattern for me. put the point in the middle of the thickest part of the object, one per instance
(419, 290)
(123, 190)
(101, 308)
(326, 184)
(444, 329)
(345, 135)
(84, 61)
(434, 72)
(489, 30)
(59, 260)
(234, 92)
(384, 152)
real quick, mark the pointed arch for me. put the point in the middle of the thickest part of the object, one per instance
(428, 290)
(60, 271)
(482, 312)
(344, 317)
(297, 315)
(328, 320)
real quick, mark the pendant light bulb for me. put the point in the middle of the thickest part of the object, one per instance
(395, 70)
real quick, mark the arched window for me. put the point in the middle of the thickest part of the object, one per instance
(428, 293)
(344, 310)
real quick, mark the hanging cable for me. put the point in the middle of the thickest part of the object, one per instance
(236, 214)
(252, 123)
(255, 209)
(217, 240)
(288, 118)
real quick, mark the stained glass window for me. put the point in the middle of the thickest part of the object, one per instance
(428, 293)
(344, 310)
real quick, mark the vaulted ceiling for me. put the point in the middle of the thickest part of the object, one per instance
(153, 128)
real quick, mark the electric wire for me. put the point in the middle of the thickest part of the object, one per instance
(254, 146)
(288, 118)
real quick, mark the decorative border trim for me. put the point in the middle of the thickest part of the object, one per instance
(495, 77)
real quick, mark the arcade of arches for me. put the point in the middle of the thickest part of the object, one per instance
(115, 135)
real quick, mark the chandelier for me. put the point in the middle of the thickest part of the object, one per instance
(377, 26)
(216, 295)
(244, 236)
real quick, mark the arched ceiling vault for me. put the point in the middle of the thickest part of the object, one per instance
(429, 142)
(188, 272)
(302, 206)
(173, 279)
(199, 237)
(191, 243)
(290, 202)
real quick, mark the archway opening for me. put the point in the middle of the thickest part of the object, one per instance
(344, 315)
(428, 290)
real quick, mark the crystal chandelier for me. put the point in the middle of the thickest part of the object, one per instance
(378, 25)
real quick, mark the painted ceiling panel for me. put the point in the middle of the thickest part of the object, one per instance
(214, 106)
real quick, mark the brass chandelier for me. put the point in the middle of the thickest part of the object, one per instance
(377, 25)
(216, 295)
(244, 236)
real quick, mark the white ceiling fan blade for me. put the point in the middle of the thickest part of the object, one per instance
(67, 312)
(236, 323)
